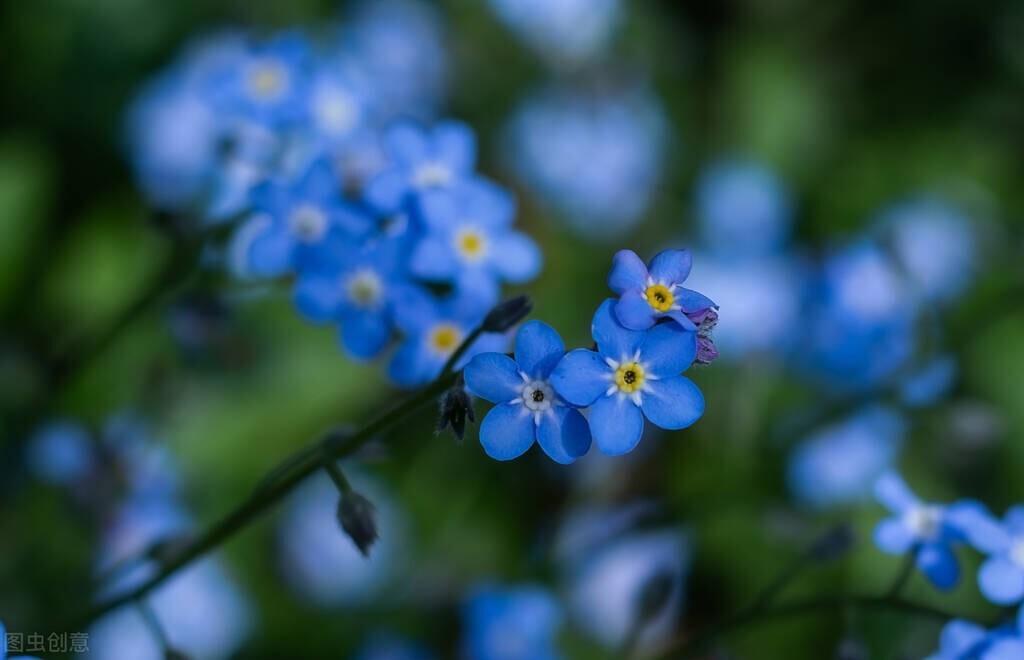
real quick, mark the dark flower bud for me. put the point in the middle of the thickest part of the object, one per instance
(507, 314)
(456, 407)
(833, 544)
(357, 516)
(706, 350)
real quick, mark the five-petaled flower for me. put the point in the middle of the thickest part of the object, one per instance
(1001, 576)
(528, 408)
(650, 292)
(631, 371)
(919, 527)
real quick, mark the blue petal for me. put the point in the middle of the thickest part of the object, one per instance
(581, 377)
(1008, 648)
(616, 424)
(938, 563)
(352, 220)
(432, 259)
(507, 432)
(892, 536)
(413, 308)
(270, 253)
(455, 145)
(386, 191)
(319, 183)
(516, 257)
(628, 273)
(671, 266)
(892, 492)
(978, 527)
(406, 143)
(538, 349)
(634, 312)
(564, 434)
(1001, 581)
(487, 204)
(668, 350)
(365, 335)
(612, 339)
(410, 365)
(319, 298)
(494, 377)
(673, 403)
(1014, 519)
(691, 301)
(440, 209)
(959, 637)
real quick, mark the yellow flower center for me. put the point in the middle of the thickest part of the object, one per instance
(629, 377)
(267, 80)
(659, 297)
(470, 244)
(445, 338)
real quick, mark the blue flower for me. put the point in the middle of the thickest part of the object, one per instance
(528, 409)
(469, 240)
(930, 382)
(432, 330)
(1001, 576)
(293, 219)
(631, 372)
(269, 85)
(421, 160)
(919, 527)
(60, 453)
(963, 640)
(562, 30)
(338, 108)
(511, 623)
(839, 464)
(354, 286)
(649, 293)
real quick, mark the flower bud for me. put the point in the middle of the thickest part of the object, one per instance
(507, 314)
(456, 407)
(357, 517)
(706, 351)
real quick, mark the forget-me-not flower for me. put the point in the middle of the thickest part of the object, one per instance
(469, 240)
(528, 409)
(1001, 576)
(653, 291)
(562, 30)
(964, 640)
(632, 375)
(511, 623)
(920, 527)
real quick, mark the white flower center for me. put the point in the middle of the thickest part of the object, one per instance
(538, 396)
(364, 287)
(925, 522)
(337, 112)
(267, 80)
(308, 223)
(432, 175)
(470, 244)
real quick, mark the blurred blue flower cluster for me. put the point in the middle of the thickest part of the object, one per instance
(565, 32)
(645, 340)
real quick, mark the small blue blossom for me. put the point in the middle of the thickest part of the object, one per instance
(839, 464)
(649, 293)
(511, 623)
(432, 330)
(292, 219)
(632, 375)
(60, 453)
(919, 527)
(1001, 576)
(562, 30)
(470, 242)
(269, 85)
(963, 640)
(929, 383)
(528, 409)
(354, 287)
(421, 159)
(338, 107)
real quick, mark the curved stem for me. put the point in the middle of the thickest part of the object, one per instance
(903, 577)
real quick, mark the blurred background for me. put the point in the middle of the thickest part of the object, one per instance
(849, 183)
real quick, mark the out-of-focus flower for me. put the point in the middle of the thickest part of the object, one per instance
(928, 384)
(1001, 576)
(840, 463)
(595, 159)
(963, 640)
(511, 623)
(470, 242)
(632, 375)
(562, 30)
(919, 527)
(386, 646)
(743, 209)
(433, 329)
(60, 453)
(651, 292)
(324, 566)
(527, 408)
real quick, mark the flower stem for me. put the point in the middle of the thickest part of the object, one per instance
(903, 577)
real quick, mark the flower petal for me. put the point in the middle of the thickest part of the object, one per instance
(455, 145)
(411, 365)
(440, 209)
(938, 563)
(634, 312)
(892, 536)
(892, 492)
(433, 259)
(673, 403)
(269, 254)
(581, 377)
(365, 335)
(616, 424)
(612, 339)
(1007, 648)
(959, 637)
(318, 298)
(493, 376)
(628, 272)
(1014, 519)
(406, 143)
(671, 266)
(386, 191)
(538, 349)
(978, 526)
(691, 301)
(507, 432)
(564, 434)
(1001, 581)
(516, 257)
(668, 350)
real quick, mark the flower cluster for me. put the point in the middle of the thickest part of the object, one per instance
(644, 340)
(930, 531)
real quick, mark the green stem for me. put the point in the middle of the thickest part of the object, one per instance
(903, 577)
